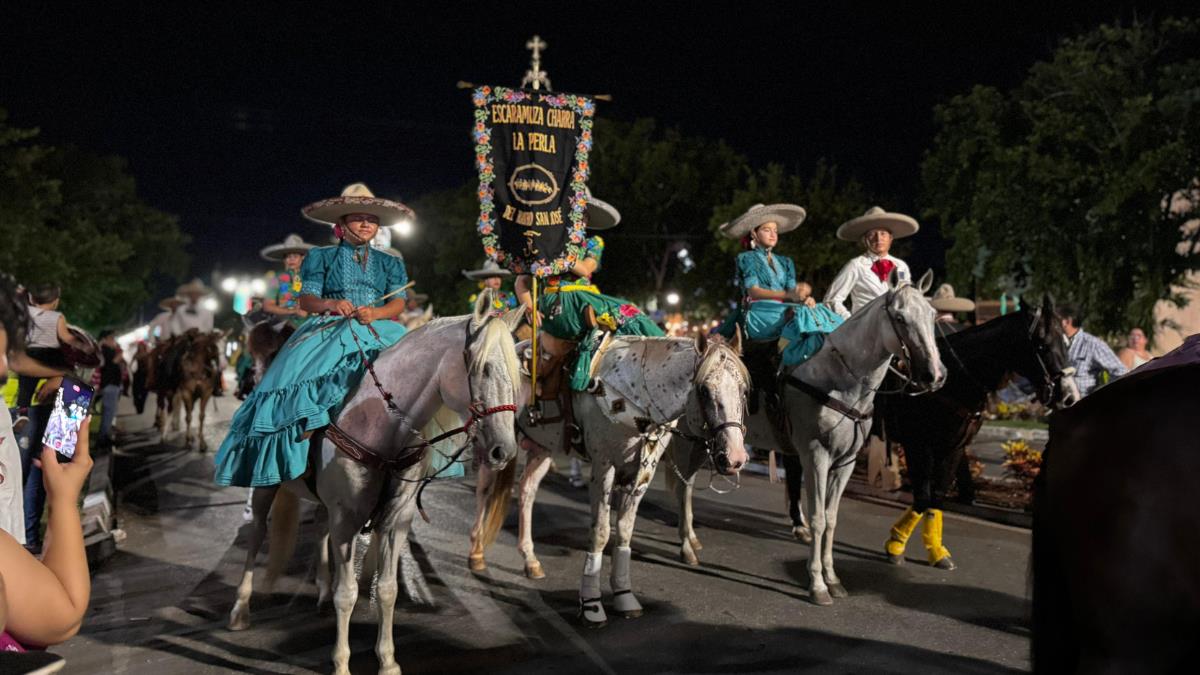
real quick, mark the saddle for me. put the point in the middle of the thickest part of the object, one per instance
(763, 360)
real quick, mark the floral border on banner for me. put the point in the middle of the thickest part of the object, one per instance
(585, 108)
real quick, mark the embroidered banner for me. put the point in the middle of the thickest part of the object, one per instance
(531, 151)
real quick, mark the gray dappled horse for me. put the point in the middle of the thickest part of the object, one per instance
(645, 384)
(467, 364)
(828, 402)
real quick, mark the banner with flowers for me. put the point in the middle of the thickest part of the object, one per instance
(531, 152)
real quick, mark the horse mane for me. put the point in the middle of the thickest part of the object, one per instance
(709, 362)
(494, 330)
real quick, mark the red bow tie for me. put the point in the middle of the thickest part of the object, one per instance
(882, 268)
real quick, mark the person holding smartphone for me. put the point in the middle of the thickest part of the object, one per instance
(42, 602)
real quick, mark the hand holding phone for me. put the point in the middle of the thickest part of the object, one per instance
(64, 480)
(72, 404)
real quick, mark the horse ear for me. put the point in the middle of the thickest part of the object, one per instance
(483, 305)
(701, 342)
(736, 343)
(926, 282)
(513, 317)
(1047, 304)
(893, 280)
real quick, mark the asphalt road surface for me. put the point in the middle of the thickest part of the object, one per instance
(160, 605)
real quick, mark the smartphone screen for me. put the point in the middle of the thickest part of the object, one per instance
(71, 407)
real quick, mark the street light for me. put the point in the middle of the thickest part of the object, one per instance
(210, 304)
(403, 228)
(258, 286)
(229, 284)
(672, 298)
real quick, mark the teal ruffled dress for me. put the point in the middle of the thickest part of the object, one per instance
(314, 371)
(805, 330)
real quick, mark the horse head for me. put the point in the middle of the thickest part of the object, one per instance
(717, 404)
(493, 379)
(913, 335)
(1047, 365)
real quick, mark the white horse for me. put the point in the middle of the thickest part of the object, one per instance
(465, 363)
(828, 401)
(645, 386)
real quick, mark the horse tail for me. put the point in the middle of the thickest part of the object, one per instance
(498, 501)
(284, 526)
(1055, 645)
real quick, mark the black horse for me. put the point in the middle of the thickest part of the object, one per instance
(935, 428)
(1116, 554)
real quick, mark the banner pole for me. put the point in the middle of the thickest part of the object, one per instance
(536, 356)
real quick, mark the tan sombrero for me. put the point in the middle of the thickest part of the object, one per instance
(600, 214)
(787, 216)
(291, 244)
(875, 218)
(489, 269)
(169, 303)
(194, 287)
(944, 300)
(356, 198)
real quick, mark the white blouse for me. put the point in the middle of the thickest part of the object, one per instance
(857, 282)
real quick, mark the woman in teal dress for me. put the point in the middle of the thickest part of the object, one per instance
(566, 299)
(492, 276)
(773, 305)
(347, 287)
(283, 294)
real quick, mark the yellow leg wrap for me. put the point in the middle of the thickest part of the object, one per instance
(933, 536)
(901, 531)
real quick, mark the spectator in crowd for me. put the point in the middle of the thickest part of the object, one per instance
(43, 602)
(1134, 353)
(141, 369)
(48, 333)
(1089, 355)
(110, 384)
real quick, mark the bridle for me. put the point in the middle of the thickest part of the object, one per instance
(708, 438)
(906, 386)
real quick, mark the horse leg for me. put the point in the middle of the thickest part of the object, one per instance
(817, 469)
(838, 482)
(342, 534)
(536, 466)
(324, 582)
(392, 538)
(239, 616)
(794, 479)
(483, 483)
(186, 401)
(200, 430)
(681, 486)
(624, 601)
(591, 611)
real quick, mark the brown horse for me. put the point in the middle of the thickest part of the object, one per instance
(264, 341)
(192, 362)
(1116, 560)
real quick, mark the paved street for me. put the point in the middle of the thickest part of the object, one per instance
(160, 604)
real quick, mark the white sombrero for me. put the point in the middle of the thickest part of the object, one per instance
(356, 198)
(169, 303)
(291, 244)
(944, 300)
(194, 287)
(600, 214)
(787, 216)
(875, 218)
(489, 269)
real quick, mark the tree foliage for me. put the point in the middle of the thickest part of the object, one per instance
(74, 219)
(1080, 180)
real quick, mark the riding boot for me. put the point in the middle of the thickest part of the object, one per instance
(591, 611)
(780, 426)
(939, 556)
(901, 531)
(624, 601)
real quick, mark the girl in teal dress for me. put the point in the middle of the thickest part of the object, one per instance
(773, 305)
(565, 300)
(283, 294)
(320, 364)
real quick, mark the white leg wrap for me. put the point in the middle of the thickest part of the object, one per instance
(623, 598)
(591, 611)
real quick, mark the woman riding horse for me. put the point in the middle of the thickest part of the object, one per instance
(354, 292)
(575, 313)
(283, 299)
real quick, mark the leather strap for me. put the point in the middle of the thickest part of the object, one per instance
(828, 401)
(363, 455)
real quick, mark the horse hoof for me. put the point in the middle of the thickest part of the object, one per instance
(477, 563)
(689, 558)
(838, 591)
(802, 534)
(393, 669)
(895, 559)
(821, 597)
(696, 546)
(239, 621)
(533, 570)
(631, 614)
(945, 564)
(591, 613)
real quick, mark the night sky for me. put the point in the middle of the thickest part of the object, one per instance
(235, 119)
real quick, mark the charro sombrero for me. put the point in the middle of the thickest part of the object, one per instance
(944, 300)
(600, 214)
(898, 224)
(169, 303)
(194, 287)
(489, 269)
(356, 198)
(787, 216)
(291, 244)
